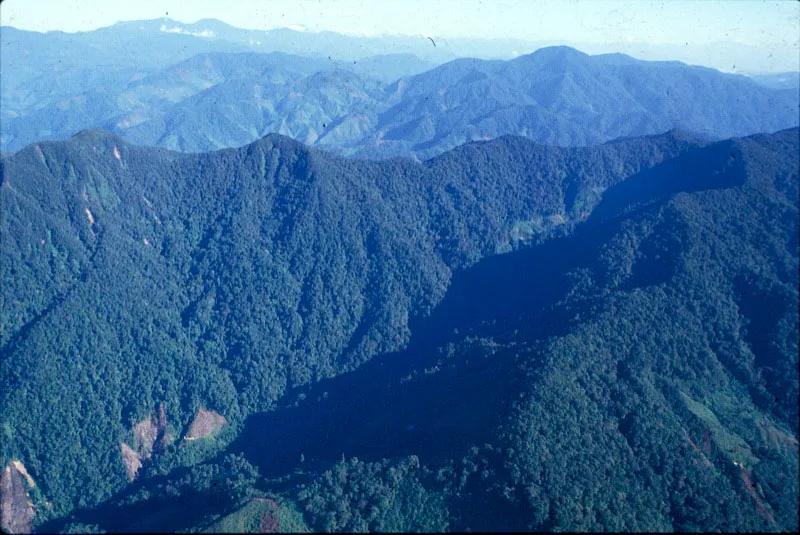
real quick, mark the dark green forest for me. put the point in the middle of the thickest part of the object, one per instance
(506, 337)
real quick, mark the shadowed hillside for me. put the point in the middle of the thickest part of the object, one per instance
(619, 377)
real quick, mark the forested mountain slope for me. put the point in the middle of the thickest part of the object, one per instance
(779, 80)
(139, 276)
(615, 370)
(561, 96)
(324, 107)
(40, 69)
(59, 70)
(556, 95)
(638, 374)
(161, 106)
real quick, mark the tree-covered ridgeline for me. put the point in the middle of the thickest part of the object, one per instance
(625, 331)
(220, 99)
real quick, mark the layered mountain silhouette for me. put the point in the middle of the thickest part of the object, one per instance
(561, 96)
(556, 95)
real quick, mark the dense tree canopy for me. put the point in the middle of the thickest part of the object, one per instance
(630, 364)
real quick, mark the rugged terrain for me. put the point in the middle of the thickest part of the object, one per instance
(630, 363)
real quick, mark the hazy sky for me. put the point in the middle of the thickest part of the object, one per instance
(753, 22)
(752, 35)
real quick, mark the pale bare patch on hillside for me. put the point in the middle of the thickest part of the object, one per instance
(24, 471)
(761, 507)
(145, 434)
(151, 209)
(149, 436)
(131, 460)
(205, 424)
(16, 508)
(153, 434)
(39, 153)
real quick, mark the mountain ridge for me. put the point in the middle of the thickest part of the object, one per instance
(556, 95)
(653, 303)
(108, 212)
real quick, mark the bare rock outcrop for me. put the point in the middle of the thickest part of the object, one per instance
(16, 507)
(131, 459)
(151, 435)
(205, 424)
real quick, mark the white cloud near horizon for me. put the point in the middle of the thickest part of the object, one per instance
(754, 22)
(770, 28)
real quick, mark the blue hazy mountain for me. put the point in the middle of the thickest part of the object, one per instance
(779, 80)
(561, 96)
(556, 95)
(40, 69)
(161, 42)
(324, 107)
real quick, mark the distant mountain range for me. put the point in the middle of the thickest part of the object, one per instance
(163, 41)
(779, 80)
(352, 334)
(563, 97)
(216, 100)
